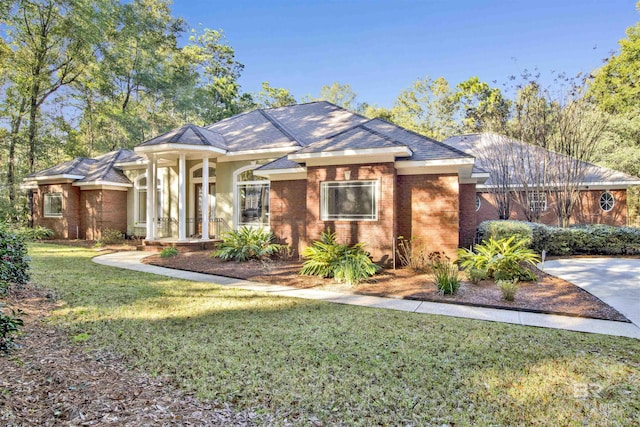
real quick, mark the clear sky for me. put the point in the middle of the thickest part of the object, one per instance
(380, 47)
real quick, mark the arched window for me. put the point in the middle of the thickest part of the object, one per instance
(478, 202)
(140, 199)
(251, 198)
(607, 201)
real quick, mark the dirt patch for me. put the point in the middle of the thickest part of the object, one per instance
(549, 295)
(52, 381)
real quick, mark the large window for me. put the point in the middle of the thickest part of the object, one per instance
(252, 198)
(349, 200)
(140, 203)
(538, 202)
(53, 205)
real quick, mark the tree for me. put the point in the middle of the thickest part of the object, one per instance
(341, 95)
(270, 97)
(483, 107)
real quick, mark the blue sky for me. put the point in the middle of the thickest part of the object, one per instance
(380, 47)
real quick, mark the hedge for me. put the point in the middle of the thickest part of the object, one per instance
(596, 239)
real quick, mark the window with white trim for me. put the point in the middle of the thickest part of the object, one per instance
(252, 198)
(538, 201)
(607, 201)
(478, 202)
(140, 200)
(53, 205)
(349, 200)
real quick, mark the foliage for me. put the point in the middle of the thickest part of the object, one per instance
(271, 97)
(594, 239)
(505, 228)
(476, 275)
(446, 276)
(327, 258)
(508, 287)
(169, 252)
(413, 253)
(247, 243)
(14, 261)
(110, 237)
(10, 324)
(36, 233)
(501, 259)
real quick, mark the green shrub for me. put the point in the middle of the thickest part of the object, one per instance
(14, 261)
(110, 237)
(10, 324)
(247, 243)
(502, 259)
(327, 258)
(476, 275)
(36, 233)
(508, 288)
(413, 254)
(168, 253)
(446, 276)
(505, 228)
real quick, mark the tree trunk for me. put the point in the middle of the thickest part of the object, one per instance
(16, 124)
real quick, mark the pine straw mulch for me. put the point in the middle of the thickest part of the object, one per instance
(548, 295)
(51, 381)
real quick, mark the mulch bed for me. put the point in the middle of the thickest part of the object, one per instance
(51, 381)
(549, 295)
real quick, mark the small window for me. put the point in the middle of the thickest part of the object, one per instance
(349, 200)
(478, 202)
(53, 205)
(538, 202)
(606, 201)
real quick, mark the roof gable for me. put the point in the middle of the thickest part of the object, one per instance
(189, 135)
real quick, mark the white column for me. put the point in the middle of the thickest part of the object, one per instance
(182, 198)
(149, 202)
(152, 188)
(205, 198)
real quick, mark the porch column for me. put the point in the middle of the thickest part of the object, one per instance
(149, 202)
(152, 188)
(205, 198)
(182, 198)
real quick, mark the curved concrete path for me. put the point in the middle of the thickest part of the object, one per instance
(131, 261)
(616, 281)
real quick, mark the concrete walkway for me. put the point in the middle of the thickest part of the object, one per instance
(616, 281)
(131, 261)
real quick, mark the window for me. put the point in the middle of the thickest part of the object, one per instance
(349, 200)
(53, 205)
(478, 203)
(252, 198)
(606, 201)
(538, 202)
(140, 203)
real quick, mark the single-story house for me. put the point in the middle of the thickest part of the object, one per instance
(602, 191)
(298, 170)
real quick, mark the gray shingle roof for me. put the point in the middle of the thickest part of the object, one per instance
(281, 163)
(251, 131)
(487, 144)
(358, 137)
(189, 135)
(77, 166)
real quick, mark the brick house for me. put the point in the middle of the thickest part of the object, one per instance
(298, 170)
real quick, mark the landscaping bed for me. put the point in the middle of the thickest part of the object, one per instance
(548, 295)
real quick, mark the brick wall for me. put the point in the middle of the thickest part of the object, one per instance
(377, 235)
(66, 227)
(288, 210)
(467, 220)
(586, 211)
(428, 208)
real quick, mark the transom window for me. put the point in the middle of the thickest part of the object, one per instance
(349, 200)
(538, 202)
(53, 205)
(607, 201)
(252, 198)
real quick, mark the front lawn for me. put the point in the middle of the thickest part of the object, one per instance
(305, 360)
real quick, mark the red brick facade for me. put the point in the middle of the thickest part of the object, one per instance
(467, 214)
(586, 211)
(84, 213)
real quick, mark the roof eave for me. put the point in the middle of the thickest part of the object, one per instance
(396, 152)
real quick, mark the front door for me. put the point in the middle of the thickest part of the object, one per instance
(212, 205)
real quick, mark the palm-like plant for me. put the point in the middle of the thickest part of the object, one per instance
(501, 259)
(247, 243)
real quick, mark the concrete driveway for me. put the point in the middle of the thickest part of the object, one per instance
(616, 281)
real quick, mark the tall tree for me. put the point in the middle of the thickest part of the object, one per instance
(270, 97)
(339, 94)
(483, 107)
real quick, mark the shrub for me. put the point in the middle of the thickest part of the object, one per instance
(327, 258)
(10, 324)
(247, 243)
(36, 233)
(168, 253)
(110, 237)
(502, 259)
(508, 288)
(14, 261)
(446, 276)
(476, 275)
(505, 228)
(413, 254)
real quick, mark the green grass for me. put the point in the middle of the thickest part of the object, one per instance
(342, 364)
